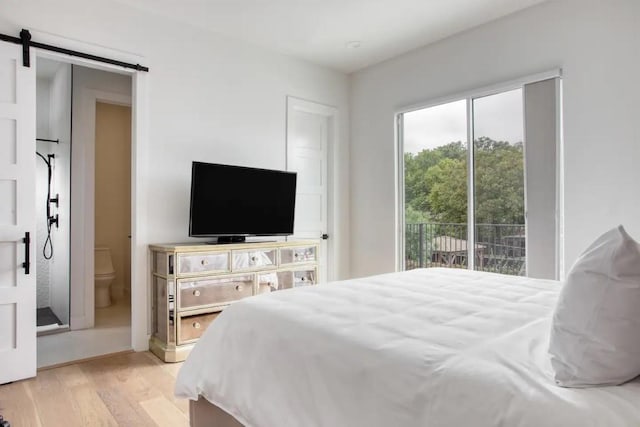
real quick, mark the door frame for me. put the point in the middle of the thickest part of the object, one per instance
(331, 113)
(140, 310)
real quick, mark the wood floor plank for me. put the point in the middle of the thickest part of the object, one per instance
(164, 413)
(93, 411)
(71, 376)
(55, 406)
(124, 411)
(120, 373)
(132, 389)
(17, 405)
(153, 371)
(121, 388)
(171, 368)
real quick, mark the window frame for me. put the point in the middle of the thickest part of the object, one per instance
(469, 96)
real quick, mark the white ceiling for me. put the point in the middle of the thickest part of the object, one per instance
(319, 30)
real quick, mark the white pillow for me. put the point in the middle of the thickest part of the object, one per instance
(595, 335)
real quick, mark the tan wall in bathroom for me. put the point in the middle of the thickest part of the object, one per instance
(113, 189)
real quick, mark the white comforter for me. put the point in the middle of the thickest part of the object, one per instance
(420, 348)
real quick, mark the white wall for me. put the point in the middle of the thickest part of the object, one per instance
(43, 266)
(60, 129)
(209, 98)
(597, 45)
(43, 89)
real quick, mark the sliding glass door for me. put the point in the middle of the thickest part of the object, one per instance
(464, 182)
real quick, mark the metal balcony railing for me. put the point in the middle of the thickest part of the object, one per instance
(499, 248)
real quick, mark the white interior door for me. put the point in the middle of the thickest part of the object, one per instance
(310, 129)
(17, 216)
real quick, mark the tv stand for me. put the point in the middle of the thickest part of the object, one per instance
(192, 283)
(231, 239)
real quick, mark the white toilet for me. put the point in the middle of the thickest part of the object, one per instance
(104, 275)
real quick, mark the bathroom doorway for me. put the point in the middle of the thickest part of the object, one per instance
(97, 215)
(112, 262)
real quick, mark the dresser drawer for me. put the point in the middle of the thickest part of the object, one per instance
(203, 262)
(208, 291)
(304, 277)
(298, 255)
(190, 328)
(269, 282)
(254, 259)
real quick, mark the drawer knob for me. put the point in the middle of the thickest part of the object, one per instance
(239, 288)
(253, 258)
(196, 325)
(302, 279)
(196, 293)
(204, 262)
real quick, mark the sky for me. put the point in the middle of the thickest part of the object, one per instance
(499, 117)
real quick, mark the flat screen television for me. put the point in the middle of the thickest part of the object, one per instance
(233, 202)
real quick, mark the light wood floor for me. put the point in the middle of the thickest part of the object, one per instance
(133, 389)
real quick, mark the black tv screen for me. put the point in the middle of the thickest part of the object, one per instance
(240, 201)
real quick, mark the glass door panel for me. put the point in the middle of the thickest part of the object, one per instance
(499, 204)
(435, 186)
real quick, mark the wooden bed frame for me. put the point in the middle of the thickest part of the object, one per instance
(203, 413)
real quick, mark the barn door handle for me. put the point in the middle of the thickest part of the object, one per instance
(27, 261)
(325, 236)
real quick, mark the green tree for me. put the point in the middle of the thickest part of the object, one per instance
(436, 183)
(499, 182)
(416, 166)
(412, 216)
(447, 182)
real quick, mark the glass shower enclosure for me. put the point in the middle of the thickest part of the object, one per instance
(52, 198)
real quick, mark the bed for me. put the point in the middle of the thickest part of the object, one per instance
(427, 347)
